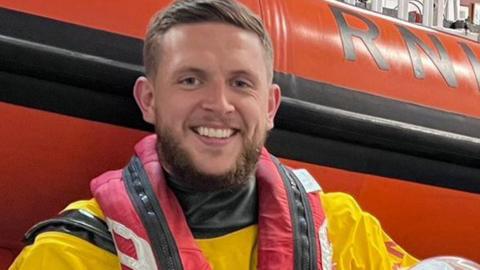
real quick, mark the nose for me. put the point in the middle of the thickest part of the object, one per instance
(218, 100)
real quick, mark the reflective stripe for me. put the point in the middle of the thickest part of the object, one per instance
(326, 246)
(146, 260)
(307, 180)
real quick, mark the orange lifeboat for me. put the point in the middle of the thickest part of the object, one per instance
(383, 109)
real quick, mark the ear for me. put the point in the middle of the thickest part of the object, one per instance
(143, 93)
(274, 99)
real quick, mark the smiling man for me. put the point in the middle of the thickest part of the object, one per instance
(203, 192)
(211, 99)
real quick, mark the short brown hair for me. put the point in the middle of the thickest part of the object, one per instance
(198, 11)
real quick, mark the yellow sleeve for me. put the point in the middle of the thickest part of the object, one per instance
(357, 237)
(61, 251)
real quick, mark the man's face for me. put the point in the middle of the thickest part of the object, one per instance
(212, 99)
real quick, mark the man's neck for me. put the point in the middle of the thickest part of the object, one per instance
(216, 213)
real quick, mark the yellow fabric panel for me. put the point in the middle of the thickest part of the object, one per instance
(357, 238)
(60, 251)
(239, 250)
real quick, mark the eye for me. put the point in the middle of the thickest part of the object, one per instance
(189, 82)
(239, 83)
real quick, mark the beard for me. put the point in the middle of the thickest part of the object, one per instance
(178, 160)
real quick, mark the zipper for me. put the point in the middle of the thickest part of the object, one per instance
(294, 217)
(305, 253)
(141, 193)
(310, 225)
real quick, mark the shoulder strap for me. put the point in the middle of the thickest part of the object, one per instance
(78, 223)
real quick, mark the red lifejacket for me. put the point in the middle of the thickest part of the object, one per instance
(150, 231)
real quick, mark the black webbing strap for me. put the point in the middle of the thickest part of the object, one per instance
(79, 223)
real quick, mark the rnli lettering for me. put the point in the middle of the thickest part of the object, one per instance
(413, 44)
(473, 61)
(442, 61)
(347, 33)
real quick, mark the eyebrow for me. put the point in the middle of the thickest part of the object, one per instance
(243, 72)
(187, 69)
(203, 74)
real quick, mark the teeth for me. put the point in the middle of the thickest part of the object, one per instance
(214, 132)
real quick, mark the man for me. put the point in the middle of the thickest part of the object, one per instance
(203, 193)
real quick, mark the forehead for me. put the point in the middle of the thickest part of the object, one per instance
(211, 32)
(220, 41)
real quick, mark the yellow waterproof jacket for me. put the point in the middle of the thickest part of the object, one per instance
(357, 239)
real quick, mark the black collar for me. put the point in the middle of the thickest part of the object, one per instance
(216, 213)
